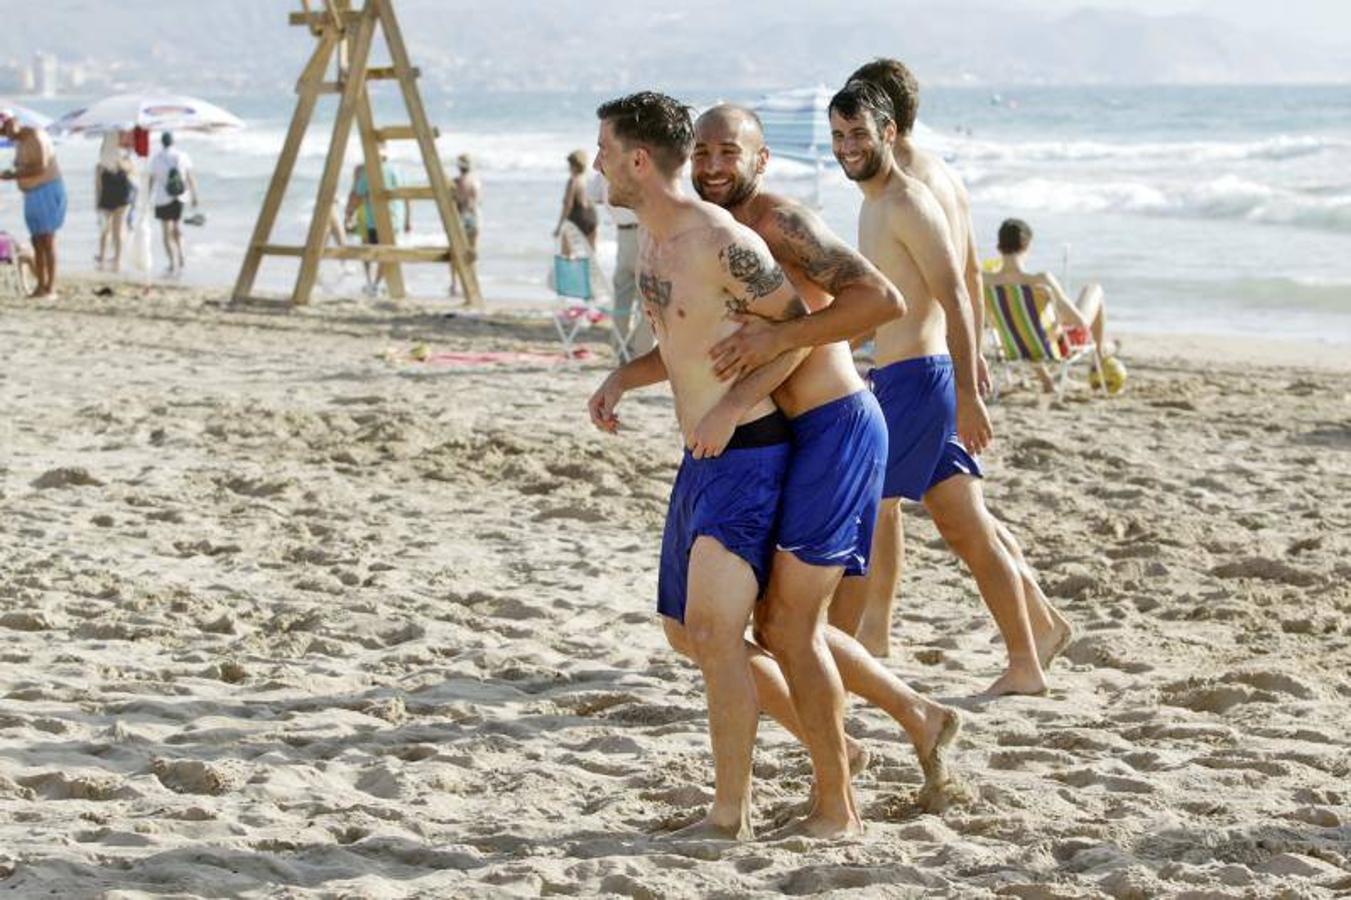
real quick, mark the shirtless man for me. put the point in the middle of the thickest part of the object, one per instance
(44, 195)
(902, 89)
(834, 480)
(466, 188)
(935, 417)
(695, 260)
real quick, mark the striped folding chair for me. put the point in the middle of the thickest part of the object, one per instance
(1023, 319)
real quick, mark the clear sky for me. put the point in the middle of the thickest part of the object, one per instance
(1326, 21)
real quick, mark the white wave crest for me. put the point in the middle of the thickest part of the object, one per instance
(1226, 197)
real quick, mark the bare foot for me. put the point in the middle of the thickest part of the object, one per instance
(1053, 642)
(1017, 681)
(818, 827)
(940, 731)
(708, 830)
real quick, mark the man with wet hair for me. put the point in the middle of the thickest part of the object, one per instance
(697, 265)
(925, 381)
(834, 480)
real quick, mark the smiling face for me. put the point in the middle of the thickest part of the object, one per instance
(729, 158)
(858, 145)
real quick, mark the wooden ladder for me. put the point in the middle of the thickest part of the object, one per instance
(348, 34)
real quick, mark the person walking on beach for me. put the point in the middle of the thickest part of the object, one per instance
(172, 179)
(719, 527)
(696, 264)
(467, 190)
(577, 206)
(113, 190)
(359, 209)
(44, 195)
(925, 381)
(834, 481)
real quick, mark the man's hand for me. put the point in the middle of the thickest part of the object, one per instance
(983, 384)
(973, 423)
(602, 405)
(711, 435)
(752, 345)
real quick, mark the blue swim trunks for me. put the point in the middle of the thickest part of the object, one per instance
(834, 483)
(44, 208)
(919, 399)
(732, 498)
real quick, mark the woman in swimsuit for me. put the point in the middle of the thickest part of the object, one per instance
(577, 206)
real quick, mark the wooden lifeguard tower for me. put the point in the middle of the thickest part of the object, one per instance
(345, 36)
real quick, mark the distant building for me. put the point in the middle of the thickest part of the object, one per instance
(15, 78)
(76, 76)
(46, 72)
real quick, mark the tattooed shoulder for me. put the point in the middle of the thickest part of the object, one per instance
(825, 259)
(755, 270)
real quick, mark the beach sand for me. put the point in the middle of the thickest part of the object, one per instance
(285, 612)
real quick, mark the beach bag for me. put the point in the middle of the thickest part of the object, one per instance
(173, 184)
(140, 141)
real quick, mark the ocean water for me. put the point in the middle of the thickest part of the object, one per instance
(1209, 210)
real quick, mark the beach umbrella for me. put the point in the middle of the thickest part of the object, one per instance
(29, 117)
(151, 112)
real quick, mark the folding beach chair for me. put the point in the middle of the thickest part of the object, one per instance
(577, 306)
(11, 276)
(1023, 319)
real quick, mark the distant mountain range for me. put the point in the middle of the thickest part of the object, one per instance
(229, 46)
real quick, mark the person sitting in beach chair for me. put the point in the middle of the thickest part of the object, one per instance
(1036, 321)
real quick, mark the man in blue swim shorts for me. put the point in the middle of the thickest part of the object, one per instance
(834, 480)
(720, 527)
(925, 382)
(44, 195)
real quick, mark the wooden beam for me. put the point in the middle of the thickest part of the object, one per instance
(315, 21)
(337, 149)
(431, 160)
(365, 252)
(389, 73)
(388, 253)
(412, 192)
(290, 151)
(401, 133)
(377, 192)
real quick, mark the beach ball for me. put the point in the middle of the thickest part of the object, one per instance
(1113, 372)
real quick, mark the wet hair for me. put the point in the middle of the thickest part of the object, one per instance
(1014, 236)
(167, 139)
(659, 123)
(858, 97)
(900, 86)
(577, 161)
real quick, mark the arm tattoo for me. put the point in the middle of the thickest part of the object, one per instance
(832, 265)
(748, 267)
(654, 290)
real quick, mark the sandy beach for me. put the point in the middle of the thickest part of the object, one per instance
(286, 611)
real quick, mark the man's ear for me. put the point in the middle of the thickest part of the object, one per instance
(761, 159)
(889, 133)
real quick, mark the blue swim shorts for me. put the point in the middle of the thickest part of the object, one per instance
(732, 498)
(834, 483)
(919, 400)
(44, 208)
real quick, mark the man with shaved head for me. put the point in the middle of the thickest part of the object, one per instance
(834, 480)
